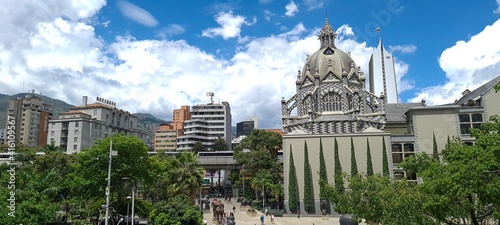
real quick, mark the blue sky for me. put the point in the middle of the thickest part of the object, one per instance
(154, 56)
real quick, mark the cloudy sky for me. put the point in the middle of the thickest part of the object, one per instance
(154, 56)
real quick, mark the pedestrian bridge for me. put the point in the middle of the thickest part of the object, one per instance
(219, 159)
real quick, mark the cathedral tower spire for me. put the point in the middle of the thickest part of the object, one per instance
(327, 35)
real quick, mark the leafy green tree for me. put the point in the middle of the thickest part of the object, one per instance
(354, 164)
(369, 164)
(435, 152)
(378, 199)
(385, 161)
(308, 184)
(220, 145)
(339, 179)
(263, 140)
(323, 177)
(89, 175)
(33, 202)
(178, 210)
(292, 184)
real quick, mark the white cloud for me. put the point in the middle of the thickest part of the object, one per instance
(230, 26)
(498, 9)
(64, 59)
(136, 13)
(467, 64)
(171, 29)
(313, 4)
(291, 9)
(405, 49)
(268, 14)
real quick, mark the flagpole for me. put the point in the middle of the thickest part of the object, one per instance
(109, 183)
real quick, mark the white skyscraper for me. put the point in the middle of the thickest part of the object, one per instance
(383, 74)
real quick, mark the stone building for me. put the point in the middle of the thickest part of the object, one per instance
(332, 104)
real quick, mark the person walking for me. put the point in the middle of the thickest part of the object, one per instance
(234, 209)
(262, 219)
(272, 218)
(298, 213)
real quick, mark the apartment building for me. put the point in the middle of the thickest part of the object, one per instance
(165, 138)
(208, 122)
(80, 127)
(31, 119)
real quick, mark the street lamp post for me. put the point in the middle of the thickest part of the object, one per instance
(128, 216)
(243, 183)
(133, 196)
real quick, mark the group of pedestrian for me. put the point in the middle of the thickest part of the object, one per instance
(262, 218)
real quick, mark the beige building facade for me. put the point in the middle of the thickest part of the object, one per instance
(165, 138)
(80, 127)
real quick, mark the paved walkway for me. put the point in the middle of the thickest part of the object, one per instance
(243, 219)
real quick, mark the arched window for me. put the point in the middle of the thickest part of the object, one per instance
(331, 102)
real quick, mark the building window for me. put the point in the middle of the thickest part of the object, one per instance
(75, 140)
(331, 102)
(52, 133)
(95, 111)
(469, 121)
(401, 151)
(77, 124)
(75, 147)
(76, 132)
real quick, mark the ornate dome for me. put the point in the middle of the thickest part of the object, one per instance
(331, 94)
(329, 58)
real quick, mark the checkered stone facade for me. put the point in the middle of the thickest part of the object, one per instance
(331, 94)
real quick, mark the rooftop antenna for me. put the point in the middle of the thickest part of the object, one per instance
(211, 95)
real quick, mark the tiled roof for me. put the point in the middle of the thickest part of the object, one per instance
(73, 112)
(394, 112)
(478, 92)
(93, 105)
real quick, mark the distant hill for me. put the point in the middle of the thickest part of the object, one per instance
(149, 123)
(145, 121)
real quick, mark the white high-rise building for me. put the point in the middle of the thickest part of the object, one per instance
(208, 122)
(383, 74)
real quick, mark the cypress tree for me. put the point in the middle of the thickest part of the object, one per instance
(435, 153)
(339, 181)
(308, 185)
(292, 185)
(385, 162)
(369, 164)
(354, 164)
(323, 176)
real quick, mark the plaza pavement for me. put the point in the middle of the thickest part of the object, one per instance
(241, 218)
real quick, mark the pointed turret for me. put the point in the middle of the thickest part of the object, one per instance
(327, 35)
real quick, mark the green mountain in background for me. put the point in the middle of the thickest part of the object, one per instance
(145, 121)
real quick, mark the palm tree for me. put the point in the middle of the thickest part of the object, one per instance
(185, 176)
(278, 191)
(220, 144)
(198, 147)
(262, 178)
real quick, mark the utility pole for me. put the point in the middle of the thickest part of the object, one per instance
(111, 154)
